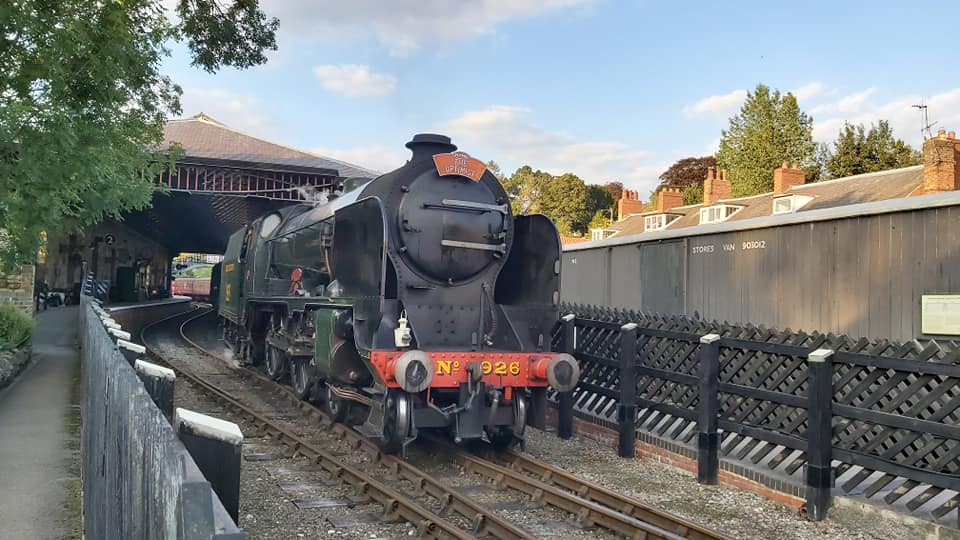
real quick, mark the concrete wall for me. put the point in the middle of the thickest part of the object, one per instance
(66, 255)
(138, 479)
(862, 275)
(17, 288)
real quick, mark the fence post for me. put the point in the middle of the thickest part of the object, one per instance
(130, 351)
(159, 382)
(819, 473)
(708, 440)
(565, 399)
(215, 446)
(627, 408)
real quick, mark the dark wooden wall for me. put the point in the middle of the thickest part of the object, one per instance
(861, 276)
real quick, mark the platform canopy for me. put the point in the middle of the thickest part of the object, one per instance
(226, 179)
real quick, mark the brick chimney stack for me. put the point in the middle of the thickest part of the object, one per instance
(715, 186)
(941, 163)
(669, 198)
(786, 176)
(628, 204)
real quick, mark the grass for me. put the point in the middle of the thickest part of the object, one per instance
(15, 327)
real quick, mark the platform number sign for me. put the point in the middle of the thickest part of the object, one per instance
(109, 239)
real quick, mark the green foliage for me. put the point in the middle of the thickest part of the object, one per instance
(15, 327)
(83, 105)
(200, 271)
(600, 220)
(235, 35)
(693, 194)
(566, 199)
(494, 169)
(769, 129)
(599, 200)
(857, 151)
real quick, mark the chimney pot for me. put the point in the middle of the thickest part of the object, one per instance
(942, 133)
(952, 135)
(785, 165)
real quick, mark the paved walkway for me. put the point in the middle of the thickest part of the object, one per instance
(34, 435)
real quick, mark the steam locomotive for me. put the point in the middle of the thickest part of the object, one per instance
(409, 301)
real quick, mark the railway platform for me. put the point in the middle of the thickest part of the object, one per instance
(37, 438)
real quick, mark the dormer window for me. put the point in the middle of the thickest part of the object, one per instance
(790, 203)
(717, 213)
(657, 222)
(601, 234)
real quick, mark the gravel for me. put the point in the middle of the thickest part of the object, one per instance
(736, 513)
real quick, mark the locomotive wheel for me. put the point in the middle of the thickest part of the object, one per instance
(336, 406)
(504, 437)
(300, 377)
(276, 364)
(396, 421)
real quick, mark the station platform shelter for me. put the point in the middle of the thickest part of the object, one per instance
(224, 180)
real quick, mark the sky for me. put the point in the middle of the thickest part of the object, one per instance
(605, 89)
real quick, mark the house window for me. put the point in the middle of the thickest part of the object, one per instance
(718, 213)
(790, 203)
(601, 234)
(657, 222)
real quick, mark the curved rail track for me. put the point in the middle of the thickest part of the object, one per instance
(591, 504)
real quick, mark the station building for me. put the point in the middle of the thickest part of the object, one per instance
(874, 255)
(224, 179)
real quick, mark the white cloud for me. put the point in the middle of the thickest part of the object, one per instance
(355, 80)
(847, 104)
(239, 111)
(503, 133)
(943, 108)
(808, 91)
(717, 105)
(377, 158)
(405, 25)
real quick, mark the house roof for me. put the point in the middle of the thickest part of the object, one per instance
(862, 188)
(203, 137)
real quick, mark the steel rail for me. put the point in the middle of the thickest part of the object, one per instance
(592, 503)
(483, 521)
(558, 477)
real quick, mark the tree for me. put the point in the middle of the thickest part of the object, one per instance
(494, 169)
(687, 172)
(524, 187)
(769, 130)
(857, 151)
(564, 200)
(599, 201)
(615, 189)
(83, 104)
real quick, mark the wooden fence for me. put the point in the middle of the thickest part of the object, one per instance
(879, 419)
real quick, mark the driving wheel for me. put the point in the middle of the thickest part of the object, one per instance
(396, 421)
(300, 373)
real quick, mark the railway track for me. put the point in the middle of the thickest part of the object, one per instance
(438, 509)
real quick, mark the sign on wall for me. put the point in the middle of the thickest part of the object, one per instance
(940, 314)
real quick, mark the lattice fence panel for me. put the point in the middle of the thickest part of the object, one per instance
(906, 393)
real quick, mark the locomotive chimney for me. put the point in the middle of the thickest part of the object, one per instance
(425, 145)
